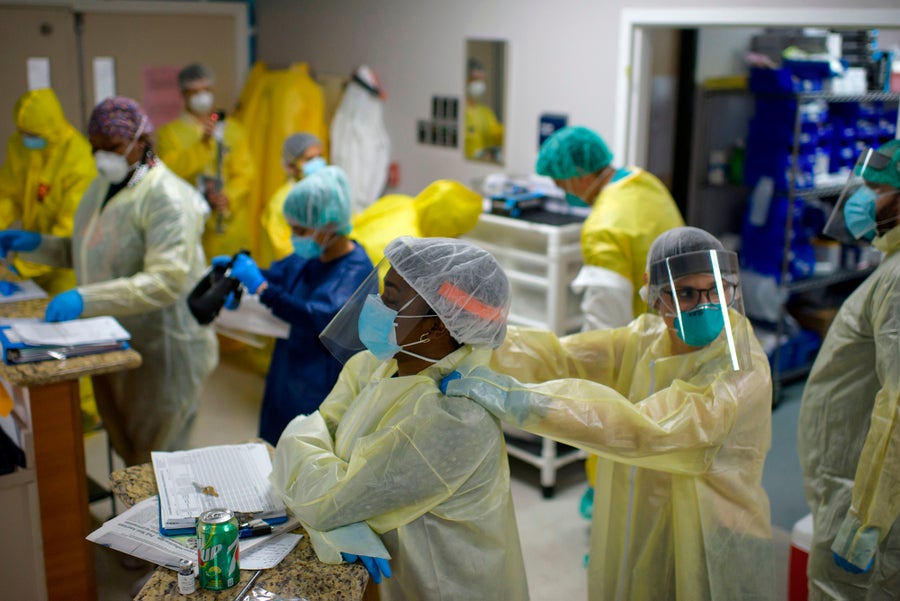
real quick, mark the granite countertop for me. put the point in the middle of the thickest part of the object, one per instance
(49, 372)
(301, 574)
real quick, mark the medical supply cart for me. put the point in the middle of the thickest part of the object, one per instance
(540, 251)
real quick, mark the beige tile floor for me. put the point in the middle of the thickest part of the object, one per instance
(554, 536)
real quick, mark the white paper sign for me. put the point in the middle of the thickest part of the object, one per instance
(38, 72)
(104, 78)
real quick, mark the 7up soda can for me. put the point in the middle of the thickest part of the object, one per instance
(217, 549)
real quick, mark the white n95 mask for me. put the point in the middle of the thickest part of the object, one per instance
(476, 88)
(201, 102)
(112, 166)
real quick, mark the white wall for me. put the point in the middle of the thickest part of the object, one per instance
(562, 58)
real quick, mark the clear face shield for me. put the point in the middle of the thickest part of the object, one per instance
(385, 324)
(698, 294)
(855, 217)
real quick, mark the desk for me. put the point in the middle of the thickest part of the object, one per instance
(301, 574)
(47, 404)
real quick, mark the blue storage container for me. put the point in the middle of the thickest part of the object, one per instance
(780, 81)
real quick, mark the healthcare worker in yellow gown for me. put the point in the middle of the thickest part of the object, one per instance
(849, 427)
(386, 451)
(484, 133)
(301, 155)
(47, 169)
(630, 207)
(677, 406)
(200, 148)
(136, 250)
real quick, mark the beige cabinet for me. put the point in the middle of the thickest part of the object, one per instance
(21, 558)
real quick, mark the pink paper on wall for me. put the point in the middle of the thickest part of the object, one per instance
(160, 95)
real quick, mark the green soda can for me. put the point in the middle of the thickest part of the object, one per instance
(217, 549)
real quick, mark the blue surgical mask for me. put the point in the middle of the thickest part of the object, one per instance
(313, 165)
(306, 247)
(575, 201)
(376, 328)
(34, 142)
(377, 331)
(701, 325)
(859, 213)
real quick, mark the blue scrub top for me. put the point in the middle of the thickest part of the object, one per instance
(306, 293)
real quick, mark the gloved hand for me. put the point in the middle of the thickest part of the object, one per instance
(453, 375)
(245, 269)
(7, 288)
(376, 566)
(855, 545)
(220, 261)
(65, 306)
(500, 394)
(18, 240)
(232, 302)
(849, 567)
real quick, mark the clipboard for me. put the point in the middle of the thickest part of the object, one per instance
(16, 351)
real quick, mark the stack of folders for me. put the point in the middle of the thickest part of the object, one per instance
(26, 341)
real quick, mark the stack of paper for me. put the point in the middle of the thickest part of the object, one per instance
(25, 290)
(136, 532)
(231, 476)
(25, 340)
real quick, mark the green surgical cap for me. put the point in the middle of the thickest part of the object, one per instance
(890, 175)
(573, 152)
(321, 199)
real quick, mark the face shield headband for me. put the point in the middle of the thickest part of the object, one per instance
(854, 216)
(705, 313)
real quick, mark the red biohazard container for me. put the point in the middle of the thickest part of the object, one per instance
(801, 542)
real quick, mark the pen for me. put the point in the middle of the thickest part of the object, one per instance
(249, 531)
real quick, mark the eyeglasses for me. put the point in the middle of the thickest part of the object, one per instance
(689, 297)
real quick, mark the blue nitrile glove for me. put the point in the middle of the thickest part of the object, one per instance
(855, 545)
(453, 375)
(245, 269)
(849, 567)
(500, 394)
(376, 566)
(221, 261)
(65, 306)
(232, 302)
(7, 288)
(18, 240)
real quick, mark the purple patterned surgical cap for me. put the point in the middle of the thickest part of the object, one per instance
(119, 117)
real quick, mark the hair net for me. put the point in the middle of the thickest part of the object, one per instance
(572, 152)
(675, 242)
(890, 175)
(294, 146)
(322, 198)
(194, 72)
(447, 208)
(119, 117)
(464, 285)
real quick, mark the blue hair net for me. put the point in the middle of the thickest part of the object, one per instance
(572, 152)
(322, 198)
